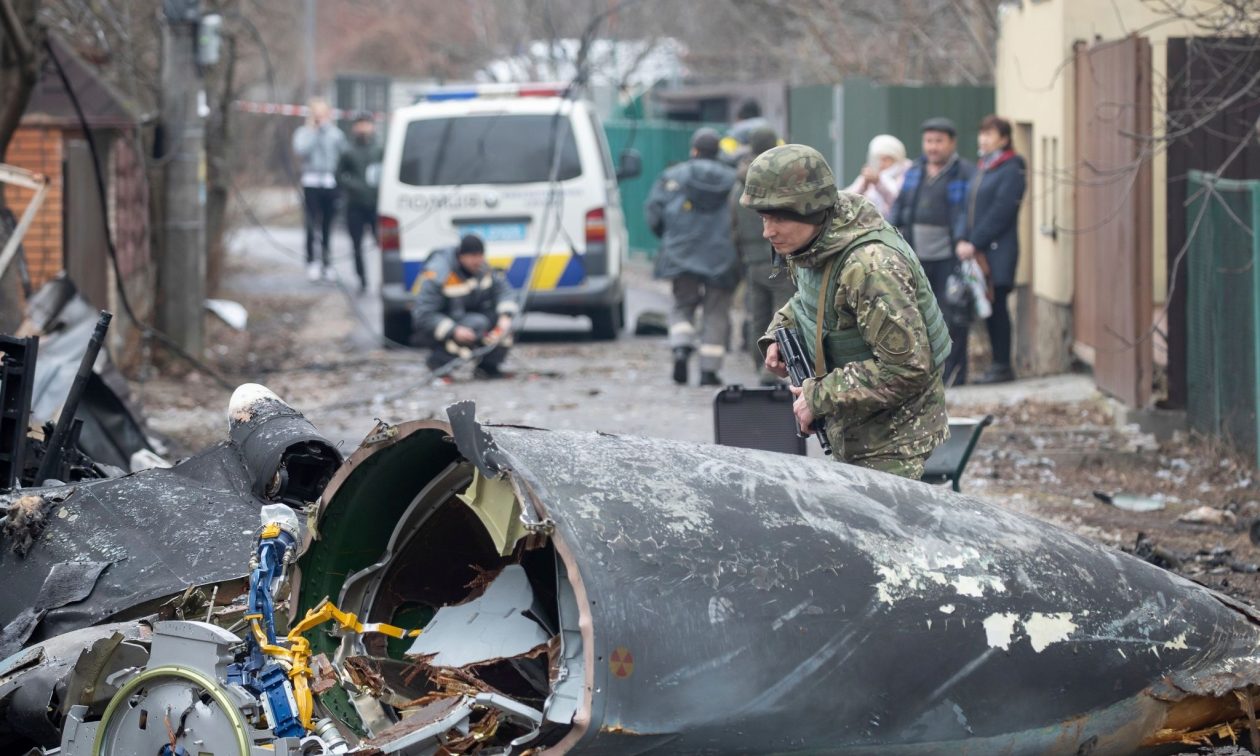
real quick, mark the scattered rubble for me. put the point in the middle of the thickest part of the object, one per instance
(1051, 459)
(1206, 515)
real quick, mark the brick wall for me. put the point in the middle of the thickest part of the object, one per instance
(40, 150)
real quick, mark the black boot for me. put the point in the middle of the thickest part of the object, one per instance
(709, 378)
(997, 373)
(681, 355)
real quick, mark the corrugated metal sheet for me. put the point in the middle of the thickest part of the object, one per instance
(863, 109)
(1223, 308)
(811, 118)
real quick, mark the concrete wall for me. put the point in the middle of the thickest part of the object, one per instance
(1035, 87)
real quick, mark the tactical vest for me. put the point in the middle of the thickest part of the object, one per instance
(842, 346)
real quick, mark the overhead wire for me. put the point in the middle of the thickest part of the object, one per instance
(551, 221)
(148, 332)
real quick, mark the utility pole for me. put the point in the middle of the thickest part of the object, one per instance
(182, 271)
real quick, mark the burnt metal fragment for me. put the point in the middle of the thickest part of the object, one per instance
(737, 601)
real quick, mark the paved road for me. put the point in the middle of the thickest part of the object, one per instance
(563, 378)
(338, 373)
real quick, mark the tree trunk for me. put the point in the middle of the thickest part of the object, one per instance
(21, 53)
(219, 162)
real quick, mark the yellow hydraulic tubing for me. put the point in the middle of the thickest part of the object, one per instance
(297, 656)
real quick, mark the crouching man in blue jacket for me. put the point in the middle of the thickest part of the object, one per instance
(464, 310)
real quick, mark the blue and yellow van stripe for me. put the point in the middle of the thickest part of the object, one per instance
(555, 270)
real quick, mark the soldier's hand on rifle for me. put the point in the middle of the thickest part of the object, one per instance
(773, 362)
(800, 408)
(464, 335)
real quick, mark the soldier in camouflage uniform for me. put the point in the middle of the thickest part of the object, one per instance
(863, 309)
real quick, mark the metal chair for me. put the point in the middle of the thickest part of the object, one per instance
(950, 458)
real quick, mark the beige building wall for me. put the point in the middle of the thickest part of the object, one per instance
(1035, 85)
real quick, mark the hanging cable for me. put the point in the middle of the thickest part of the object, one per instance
(147, 331)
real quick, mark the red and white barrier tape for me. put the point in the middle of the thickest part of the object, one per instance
(299, 111)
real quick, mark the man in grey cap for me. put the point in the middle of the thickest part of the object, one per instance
(688, 210)
(931, 213)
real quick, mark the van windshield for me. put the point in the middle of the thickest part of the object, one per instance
(487, 149)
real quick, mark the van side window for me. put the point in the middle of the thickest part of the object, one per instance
(488, 149)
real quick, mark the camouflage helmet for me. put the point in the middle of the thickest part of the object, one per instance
(790, 178)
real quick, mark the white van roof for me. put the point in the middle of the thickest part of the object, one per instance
(477, 104)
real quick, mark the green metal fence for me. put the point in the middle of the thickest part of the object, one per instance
(839, 120)
(661, 144)
(811, 118)
(1223, 309)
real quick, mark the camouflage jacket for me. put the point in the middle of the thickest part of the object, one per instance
(892, 405)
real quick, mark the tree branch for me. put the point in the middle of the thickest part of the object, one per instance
(17, 33)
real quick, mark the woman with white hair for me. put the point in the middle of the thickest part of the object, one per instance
(881, 177)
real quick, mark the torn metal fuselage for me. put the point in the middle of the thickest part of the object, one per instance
(708, 599)
(111, 550)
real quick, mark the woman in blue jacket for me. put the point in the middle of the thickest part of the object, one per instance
(993, 200)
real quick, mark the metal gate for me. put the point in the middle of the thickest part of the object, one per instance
(1112, 228)
(1213, 109)
(1223, 308)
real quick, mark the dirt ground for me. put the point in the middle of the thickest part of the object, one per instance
(1073, 465)
(1066, 462)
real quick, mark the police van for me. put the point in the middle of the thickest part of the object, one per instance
(526, 169)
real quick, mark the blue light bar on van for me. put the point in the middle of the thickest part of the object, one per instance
(452, 94)
(444, 94)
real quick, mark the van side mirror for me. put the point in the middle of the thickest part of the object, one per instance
(629, 164)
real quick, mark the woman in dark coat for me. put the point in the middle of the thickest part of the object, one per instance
(994, 197)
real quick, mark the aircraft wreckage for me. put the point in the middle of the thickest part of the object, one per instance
(454, 587)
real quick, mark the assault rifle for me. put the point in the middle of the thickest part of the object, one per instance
(793, 355)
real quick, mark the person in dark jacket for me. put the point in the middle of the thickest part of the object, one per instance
(358, 177)
(931, 213)
(993, 235)
(767, 284)
(688, 209)
(464, 309)
(736, 145)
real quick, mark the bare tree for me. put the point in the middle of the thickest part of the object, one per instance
(21, 52)
(894, 42)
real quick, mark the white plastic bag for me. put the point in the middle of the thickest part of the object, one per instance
(974, 276)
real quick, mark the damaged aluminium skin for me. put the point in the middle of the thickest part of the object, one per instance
(732, 601)
(587, 593)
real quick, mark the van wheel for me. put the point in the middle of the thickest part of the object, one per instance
(607, 323)
(397, 329)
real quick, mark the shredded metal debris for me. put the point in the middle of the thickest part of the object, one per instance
(456, 588)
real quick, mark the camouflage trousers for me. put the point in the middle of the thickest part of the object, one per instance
(897, 464)
(904, 457)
